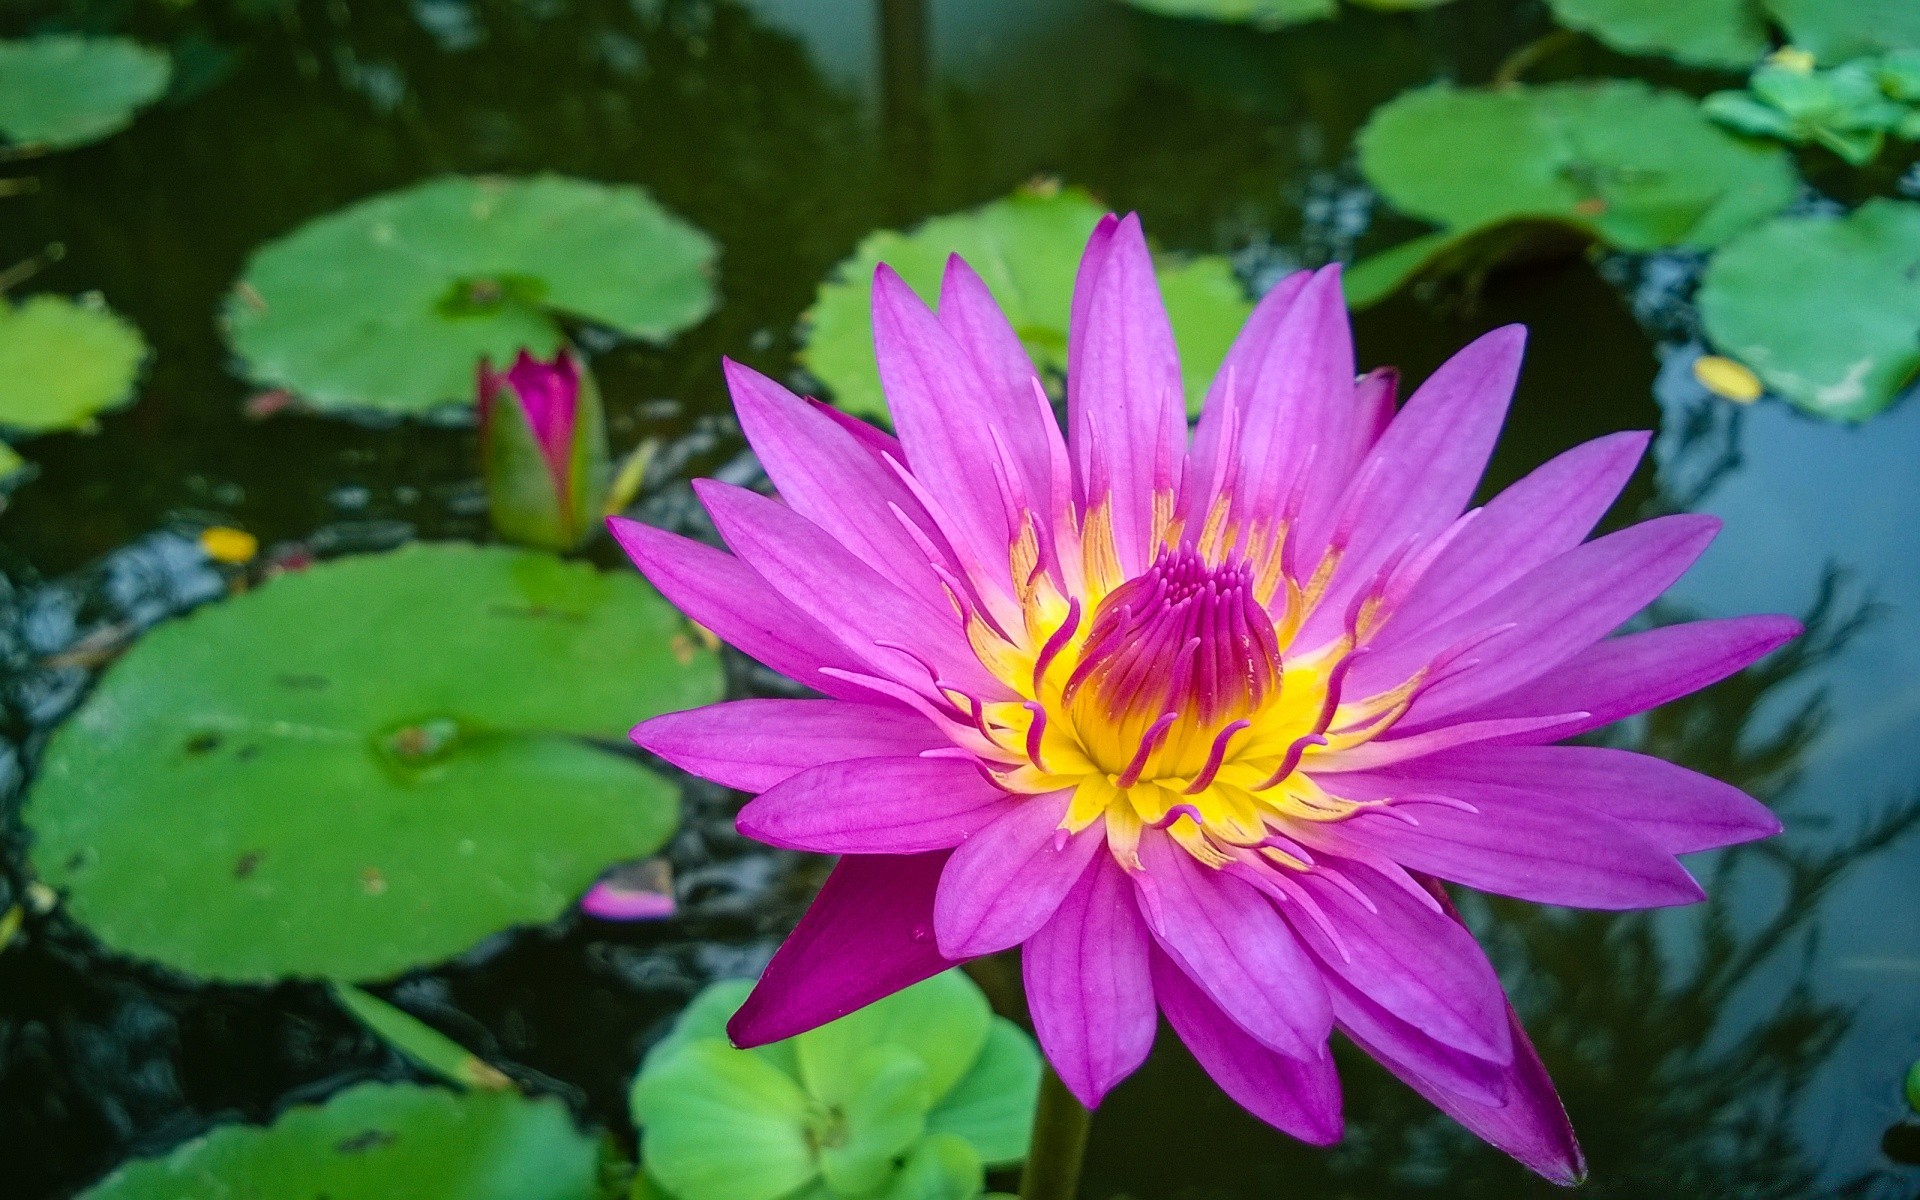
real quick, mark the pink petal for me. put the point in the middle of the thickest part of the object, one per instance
(1627, 675)
(1006, 881)
(1375, 396)
(1678, 810)
(968, 312)
(1529, 524)
(1553, 613)
(723, 594)
(842, 593)
(754, 744)
(1228, 938)
(1413, 962)
(875, 441)
(1088, 986)
(1535, 847)
(868, 934)
(1237, 378)
(941, 409)
(876, 806)
(832, 480)
(1125, 399)
(1420, 475)
(1296, 1096)
(1367, 1024)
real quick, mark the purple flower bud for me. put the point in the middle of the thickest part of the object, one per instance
(543, 450)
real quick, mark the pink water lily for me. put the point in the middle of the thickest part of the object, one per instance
(1197, 722)
(543, 449)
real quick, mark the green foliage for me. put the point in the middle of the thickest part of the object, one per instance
(1850, 109)
(1027, 249)
(906, 1099)
(419, 1041)
(1826, 310)
(58, 91)
(64, 361)
(378, 1142)
(529, 503)
(1838, 30)
(365, 766)
(1272, 14)
(1613, 161)
(391, 303)
(1705, 33)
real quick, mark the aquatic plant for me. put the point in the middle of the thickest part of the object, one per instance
(1199, 725)
(543, 450)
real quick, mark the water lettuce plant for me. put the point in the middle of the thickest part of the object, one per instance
(908, 1098)
(1198, 723)
(1615, 161)
(64, 361)
(379, 1141)
(1850, 109)
(58, 90)
(391, 303)
(383, 760)
(1825, 309)
(543, 450)
(1027, 245)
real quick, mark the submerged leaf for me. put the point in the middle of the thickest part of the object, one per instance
(391, 303)
(1825, 309)
(381, 760)
(1026, 248)
(377, 1141)
(62, 362)
(58, 91)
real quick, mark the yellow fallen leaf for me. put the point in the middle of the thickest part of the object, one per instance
(229, 545)
(1725, 377)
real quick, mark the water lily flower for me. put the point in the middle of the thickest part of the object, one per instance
(543, 450)
(1198, 722)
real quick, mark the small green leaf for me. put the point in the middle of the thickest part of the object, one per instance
(376, 1141)
(1706, 33)
(62, 362)
(1265, 14)
(1467, 254)
(944, 1020)
(420, 1041)
(1825, 309)
(391, 303)
(58, 91)
(942, 1167)
(722, 1124)
(1913, 1087)
(1741, 112)
(12, 466)
(878, 1112)
(1026, 248)
(992, 1105)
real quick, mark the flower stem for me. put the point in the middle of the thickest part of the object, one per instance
(1059, 1143)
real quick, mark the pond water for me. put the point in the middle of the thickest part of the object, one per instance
(1752, 1047)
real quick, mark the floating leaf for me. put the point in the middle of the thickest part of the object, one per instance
(902, 1100)
(1267, 14)
(64, 361)
(379, 1141)
(11, 465)
(1027, 249)
(58, 91)
(1633, 167)
(392, 302)
(1837, 30)
(1825, 309)
(1706, 33)
(370, 764)
(420, 1041)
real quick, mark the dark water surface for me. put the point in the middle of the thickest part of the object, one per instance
(1752, 1047)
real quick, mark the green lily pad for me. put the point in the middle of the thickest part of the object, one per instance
(375, 1142)
(1615, 161)
(58, 91)
(1027, 249)
(64, 361)
(1837, 30)
(392, 302)
(365, 766)
(904, 1100)
(1707, 33)
(1266, 14)
(1826, 310)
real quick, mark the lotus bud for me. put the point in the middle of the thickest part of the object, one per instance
(543, 450)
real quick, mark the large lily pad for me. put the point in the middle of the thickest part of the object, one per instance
(392, 302)
(64, 361)
(58, 91)
(1027, 249)
(1707, 33)
(1614, 161)
(1837, 30)
(365, 766)
(1825, 309)
(376, 1142)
